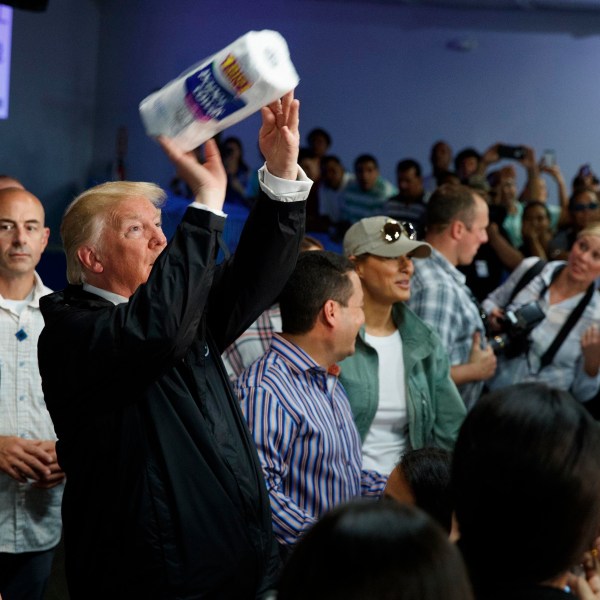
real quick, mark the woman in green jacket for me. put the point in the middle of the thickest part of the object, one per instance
(398, 381)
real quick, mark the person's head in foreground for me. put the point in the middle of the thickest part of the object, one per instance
(375, 551)
(527, 488)
(422, 478)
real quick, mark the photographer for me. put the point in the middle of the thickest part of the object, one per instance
(549, 330)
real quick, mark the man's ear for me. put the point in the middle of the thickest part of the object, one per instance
(457, 229)
(329, 312)
(45, 237)
(89, 259)
(357, 264)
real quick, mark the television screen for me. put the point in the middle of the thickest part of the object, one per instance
(6, 14)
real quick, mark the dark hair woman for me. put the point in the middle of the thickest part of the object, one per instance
(375, 551)
(527, 491)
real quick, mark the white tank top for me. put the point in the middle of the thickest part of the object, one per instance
(387, 437)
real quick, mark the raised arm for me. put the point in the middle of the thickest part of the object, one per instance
(506, 252)
(563, 195)
(489, 157)
(531, 191)
(268, 246)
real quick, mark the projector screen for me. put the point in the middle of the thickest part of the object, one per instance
(6, 14)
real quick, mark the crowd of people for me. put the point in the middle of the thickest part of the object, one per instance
(494, 250)
(404, 419)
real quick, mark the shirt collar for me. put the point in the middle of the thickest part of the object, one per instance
(297, 358)
(39, 290)
(447, 266)
(110, 296)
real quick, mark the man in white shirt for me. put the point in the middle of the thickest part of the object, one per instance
(31, 482)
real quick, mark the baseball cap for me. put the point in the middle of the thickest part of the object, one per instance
(383, 236)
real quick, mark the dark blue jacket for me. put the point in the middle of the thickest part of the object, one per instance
(165, 496)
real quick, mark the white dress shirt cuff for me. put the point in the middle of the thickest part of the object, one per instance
(284, 190)
(216, 211)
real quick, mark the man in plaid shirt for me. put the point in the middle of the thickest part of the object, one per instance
(456, 220)
(252, 344)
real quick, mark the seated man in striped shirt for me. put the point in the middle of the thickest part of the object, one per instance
(297, 409)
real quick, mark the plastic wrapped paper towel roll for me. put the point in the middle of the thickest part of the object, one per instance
(221, 90)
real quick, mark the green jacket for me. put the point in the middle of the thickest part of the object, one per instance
(435, 408)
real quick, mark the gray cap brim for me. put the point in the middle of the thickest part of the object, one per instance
(365, 237)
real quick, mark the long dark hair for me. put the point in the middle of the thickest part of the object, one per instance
(427, 471)
(526, 481)
(375, 551)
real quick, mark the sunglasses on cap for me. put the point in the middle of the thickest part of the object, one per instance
(582, 207)
(392, 230)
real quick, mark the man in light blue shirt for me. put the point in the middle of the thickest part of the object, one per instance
(31, 482)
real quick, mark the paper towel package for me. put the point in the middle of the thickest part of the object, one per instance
(221, 90)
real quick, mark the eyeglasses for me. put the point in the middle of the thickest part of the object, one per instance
(392, 230)
(583, 207)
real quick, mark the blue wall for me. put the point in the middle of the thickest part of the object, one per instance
(48, 139)
(378, 76)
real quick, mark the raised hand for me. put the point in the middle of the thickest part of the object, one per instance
(279, 137)
(490, 156)
(553, 170)
(590, 347)
(208, 181)
(529, 161)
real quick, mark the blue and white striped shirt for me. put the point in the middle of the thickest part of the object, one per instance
(307, 442)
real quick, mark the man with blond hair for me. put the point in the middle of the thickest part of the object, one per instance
(31, 482)
(165, 497)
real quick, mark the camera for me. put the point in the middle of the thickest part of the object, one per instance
(516, 327)
(515, 152)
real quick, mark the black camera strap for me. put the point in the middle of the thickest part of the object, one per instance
(534, 270)
(568, 325)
